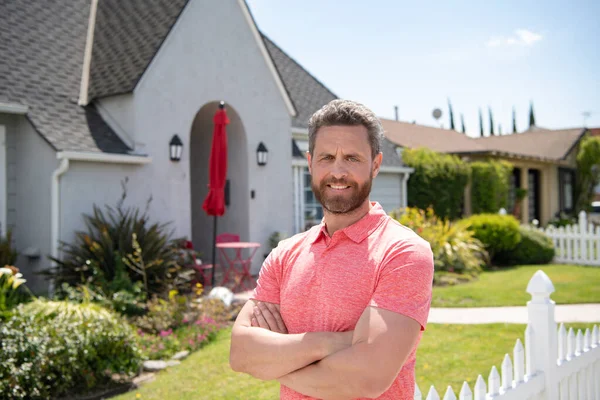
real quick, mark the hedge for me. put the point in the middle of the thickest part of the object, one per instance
(439, 181)
(490, 185)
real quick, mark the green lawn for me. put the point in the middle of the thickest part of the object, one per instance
(447, 355)
(506, 287)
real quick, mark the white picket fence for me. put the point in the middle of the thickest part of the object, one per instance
(554, 364)
(577, 244)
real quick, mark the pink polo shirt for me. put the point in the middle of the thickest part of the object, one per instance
(325, 283)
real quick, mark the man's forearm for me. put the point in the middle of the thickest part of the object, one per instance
(269, 355)
(343, 375)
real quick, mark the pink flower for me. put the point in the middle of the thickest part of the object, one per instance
(191, 342)
(185, 320)
(166, 333)
(161, 346)
(140, 332)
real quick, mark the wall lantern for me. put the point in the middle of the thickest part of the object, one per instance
(175, 148)
(262, 154)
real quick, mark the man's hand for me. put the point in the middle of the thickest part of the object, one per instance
(267, 316)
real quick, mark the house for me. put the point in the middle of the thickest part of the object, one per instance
(543, 160)
(94, 92)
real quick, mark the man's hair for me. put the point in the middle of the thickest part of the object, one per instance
(349, 113)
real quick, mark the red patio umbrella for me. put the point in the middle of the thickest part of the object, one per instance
(214, 204)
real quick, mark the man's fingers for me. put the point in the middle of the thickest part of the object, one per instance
(262, 322)
(269, 317)
(277, 316)
(254, 323)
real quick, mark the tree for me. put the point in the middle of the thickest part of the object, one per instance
(531, 115)
(462, 121)
(499, 129)
(491, 122)
(514, 121)
(480, 124)
(451, 115)
(588, 172)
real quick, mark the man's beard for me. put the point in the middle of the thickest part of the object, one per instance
(341, 204)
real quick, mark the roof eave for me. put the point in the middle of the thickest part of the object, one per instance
(581, 135)
(13, 108)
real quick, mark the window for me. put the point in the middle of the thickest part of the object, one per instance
(566, 187)
(313, 212)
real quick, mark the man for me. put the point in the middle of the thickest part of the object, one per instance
(338, 310)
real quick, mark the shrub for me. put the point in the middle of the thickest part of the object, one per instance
(119, 249)
(535, 247)
(490, 185)
(126, 302)
(439, 181)
(497, 232)
(49, 349)
(8, 254)
(162, 314)
(11, 283)
(191, 336)
(455, 249)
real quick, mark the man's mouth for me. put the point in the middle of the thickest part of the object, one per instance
(338, 187)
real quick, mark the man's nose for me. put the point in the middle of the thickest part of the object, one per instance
(339, 169)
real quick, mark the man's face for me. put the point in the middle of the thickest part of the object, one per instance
(342, 167)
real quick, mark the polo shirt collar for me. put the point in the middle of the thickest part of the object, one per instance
(361, 229)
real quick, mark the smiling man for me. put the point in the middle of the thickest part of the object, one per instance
(339, 310)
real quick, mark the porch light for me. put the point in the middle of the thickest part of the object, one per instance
(175, 148)
(262, 154)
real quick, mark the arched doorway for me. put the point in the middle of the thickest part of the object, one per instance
(235, 219)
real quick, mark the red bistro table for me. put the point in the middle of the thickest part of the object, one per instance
(229, 264)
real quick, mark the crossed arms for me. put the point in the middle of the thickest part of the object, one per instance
(330, 365)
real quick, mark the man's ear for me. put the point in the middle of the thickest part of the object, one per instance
(377, 164)
(309, 159)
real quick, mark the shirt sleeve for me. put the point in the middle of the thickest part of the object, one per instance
(269, 278)
(405, 281)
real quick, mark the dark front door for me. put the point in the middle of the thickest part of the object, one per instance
(534, 194)
(515, 183)
(566, 189)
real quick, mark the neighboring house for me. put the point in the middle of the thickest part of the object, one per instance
(94, 91)
(544, 161)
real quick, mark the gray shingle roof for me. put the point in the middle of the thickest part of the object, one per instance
(42, 44)
(126, 37)
(306, 92)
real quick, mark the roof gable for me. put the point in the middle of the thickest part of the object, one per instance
(44, 49)
(127, 36)
(306, 92)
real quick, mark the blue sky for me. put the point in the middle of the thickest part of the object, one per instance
(478, 53)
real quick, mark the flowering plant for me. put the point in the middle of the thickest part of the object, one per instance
(10, 280)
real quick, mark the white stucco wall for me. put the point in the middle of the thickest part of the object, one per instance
(118, 112)
(30, 163)
(210, 55)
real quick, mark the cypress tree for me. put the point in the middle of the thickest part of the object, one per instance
(531, 115)
(451, 115)
(514, 121)
(499, 129)
(462, 121)
(491, 122)
(480, 124)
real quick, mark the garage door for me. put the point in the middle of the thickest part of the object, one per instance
(387, 190)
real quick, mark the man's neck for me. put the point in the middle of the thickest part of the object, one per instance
(336, 222)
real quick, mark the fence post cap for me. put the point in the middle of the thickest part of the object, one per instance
(581, 214)
(540, 284)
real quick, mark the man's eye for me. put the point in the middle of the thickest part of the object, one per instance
(353, 159)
